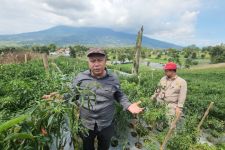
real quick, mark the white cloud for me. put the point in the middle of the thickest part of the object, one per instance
(181, 30)
(170, 20)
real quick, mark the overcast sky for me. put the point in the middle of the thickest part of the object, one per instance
(183, 22)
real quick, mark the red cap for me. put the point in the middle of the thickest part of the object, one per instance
(170, 66)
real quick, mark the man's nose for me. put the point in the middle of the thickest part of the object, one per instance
(96, 63)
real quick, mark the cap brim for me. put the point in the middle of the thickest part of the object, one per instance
(95, 53)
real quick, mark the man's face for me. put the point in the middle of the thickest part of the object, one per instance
(170, 73)
(97, 64)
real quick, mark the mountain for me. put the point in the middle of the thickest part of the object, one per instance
(67, 35)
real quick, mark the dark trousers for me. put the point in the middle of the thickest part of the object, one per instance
(104, 138)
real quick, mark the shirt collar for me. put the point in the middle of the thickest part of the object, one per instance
(172, 78)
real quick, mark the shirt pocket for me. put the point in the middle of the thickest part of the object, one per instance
(107, 91)
(175, 89)
(87, 91)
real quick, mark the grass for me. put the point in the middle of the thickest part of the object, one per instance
(164, 59)
(208, 66)
(156, 60)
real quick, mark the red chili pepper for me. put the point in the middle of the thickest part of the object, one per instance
(43, 131)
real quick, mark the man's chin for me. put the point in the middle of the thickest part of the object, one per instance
(97, 73)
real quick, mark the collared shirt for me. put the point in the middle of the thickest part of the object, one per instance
(96, 97)
(171, 90)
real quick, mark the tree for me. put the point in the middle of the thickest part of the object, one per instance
(40, 49)
(191, 51)
(129, 54)
(52, 47)
(174, 55)
(121, 56)
(202, 56)
(207, 49)
(159, 55)
(10, 49)
(44, 49)
(72, 52)
(194, 55)
(188, 63)
(217, 53)
(80, 50)
(145, 52)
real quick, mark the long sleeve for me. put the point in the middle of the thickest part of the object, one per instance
(182, 95)
(120, 96)
(74, 88)
(153, 97)
(122, 99)
(74, 94)
(156, 92)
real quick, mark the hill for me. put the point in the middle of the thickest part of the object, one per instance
(67, 35)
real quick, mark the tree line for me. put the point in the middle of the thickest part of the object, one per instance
(216, 54)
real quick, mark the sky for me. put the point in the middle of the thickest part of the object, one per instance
(182, 22)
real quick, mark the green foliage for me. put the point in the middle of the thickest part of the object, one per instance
(154, 113)
(186, 135)
(183, 141)
(78, 51)
(122, 67)
(194, 55)
(202, 56)
(141, 130)
(6, 125)
(217, 53)
(195, 63)
(191, 51)
(41, 49)
(72, 52)
(174, 55)
(188, 62)
(10, 49)
(220, 146)
(19, 136)
(21, 93)
(159, 55)
(203, 147)
(52, 47)
(121, 123)
(204, 86)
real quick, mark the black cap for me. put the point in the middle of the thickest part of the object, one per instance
(95, 51)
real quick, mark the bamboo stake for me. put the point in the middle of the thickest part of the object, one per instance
(45, 61)
(25, 58)
(169, 133)
(205, 115)
(136, 62)
(55, 65)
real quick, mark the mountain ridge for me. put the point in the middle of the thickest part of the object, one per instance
(96, 36)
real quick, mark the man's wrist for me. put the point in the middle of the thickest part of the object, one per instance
(180, 106)
(127, 106)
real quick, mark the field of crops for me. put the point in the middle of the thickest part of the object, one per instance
(27, 121)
